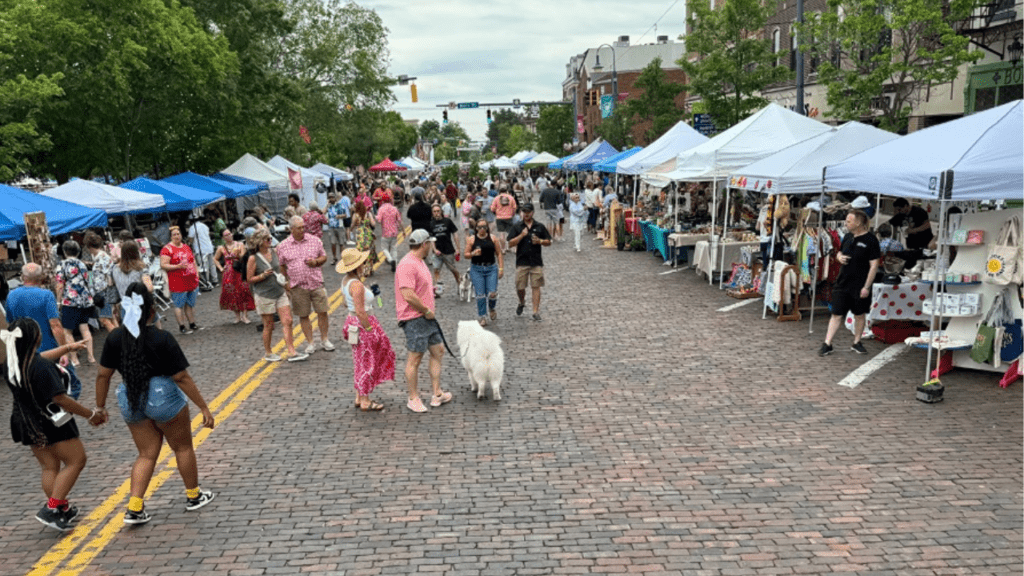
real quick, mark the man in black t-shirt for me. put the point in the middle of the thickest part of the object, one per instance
(919, 231)
(419, 214)
(446, 240)
(860, 256)
(527, 236)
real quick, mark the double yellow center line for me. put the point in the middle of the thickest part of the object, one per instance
(98, 529)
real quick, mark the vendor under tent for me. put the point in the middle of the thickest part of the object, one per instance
(274, 197)
(111, 199)
(504, 164)
(386, 165)
(609, 164)
(331, 172)
(561, 164)
(586, 162)
(679, 138)
(310, 180)
(61, 217)
(177, 198)
(977, 157)
(542, 159)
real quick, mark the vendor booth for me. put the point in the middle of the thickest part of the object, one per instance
(540, 160)
(678, 139)
(610, 164)
(274, 197)
(111, 199)
(331, 172)
(61, 217)
(314, 184)
(585, 162)
(228, 189)
(976, 158)
(177, 198)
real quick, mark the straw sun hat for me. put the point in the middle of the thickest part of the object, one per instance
(350, 260)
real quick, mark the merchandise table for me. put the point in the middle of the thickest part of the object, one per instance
(679, 240)
(708, 263)
(895, 302)
(656, 238)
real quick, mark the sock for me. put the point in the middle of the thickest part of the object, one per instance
(192, 493)
(55, 504)
(193, 326)
(135, 504)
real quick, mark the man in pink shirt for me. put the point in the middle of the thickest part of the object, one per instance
(414, 304)
(301, 255)
(391, 220)
(504, 208)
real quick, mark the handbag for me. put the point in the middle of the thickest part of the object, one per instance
(277, 275)
(1003, 263)
(975, 236)
(985, 345)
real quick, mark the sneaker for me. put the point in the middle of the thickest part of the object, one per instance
(416, 405)
(327, 345)
(70, 513)
(195, 327)
(483, 320)
(494, 315)
(137, 517)
(53, 518)
(298, 357)
(185, 329)
(310, 349)
(825, 350)
(520, 308)
(204, 498)
(858, 348)
(536, 317)
(272, 358)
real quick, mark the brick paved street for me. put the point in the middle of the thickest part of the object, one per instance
(641, 431)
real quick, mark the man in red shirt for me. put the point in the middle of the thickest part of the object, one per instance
(414, 303)
(451, 193)
(301, 256)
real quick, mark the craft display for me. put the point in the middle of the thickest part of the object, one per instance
(1003, 265)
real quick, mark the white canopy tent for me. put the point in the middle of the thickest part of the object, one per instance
(329, 171)
(542, 159)
(310, 179)
(251, 167)
(680, 138)
(414, 164)
(504, 164)
(110, 199)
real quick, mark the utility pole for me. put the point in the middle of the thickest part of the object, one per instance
(799, 60)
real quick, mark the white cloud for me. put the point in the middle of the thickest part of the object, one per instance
(472, 51)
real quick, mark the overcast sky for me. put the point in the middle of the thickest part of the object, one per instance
(479, 51)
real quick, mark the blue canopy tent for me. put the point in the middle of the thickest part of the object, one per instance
(255, 185)
(557, 164)
(227, 188)
(179, 198)
(61, 217)
(587, 161)
(609, 164)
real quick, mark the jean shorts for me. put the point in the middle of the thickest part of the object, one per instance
(164, 402)
(182, 299)
(420, 334)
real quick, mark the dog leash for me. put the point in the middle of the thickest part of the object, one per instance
(443, 339)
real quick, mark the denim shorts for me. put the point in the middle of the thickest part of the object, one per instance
(164, 402)
(182, 299)
(420, 334)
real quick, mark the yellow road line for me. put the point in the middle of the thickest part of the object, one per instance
(57, 553)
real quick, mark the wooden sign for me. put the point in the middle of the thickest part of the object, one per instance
(38, 234)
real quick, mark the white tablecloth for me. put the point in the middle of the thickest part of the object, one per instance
(704, 262)
(895, 302)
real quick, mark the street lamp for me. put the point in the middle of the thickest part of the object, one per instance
(615, 75)
(1015, 50)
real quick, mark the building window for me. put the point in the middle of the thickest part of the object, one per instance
(776, 44)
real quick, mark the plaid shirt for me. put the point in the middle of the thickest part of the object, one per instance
(390, 218)
(293, 255)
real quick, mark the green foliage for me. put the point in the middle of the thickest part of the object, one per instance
(474, 171)
(494, 172)
(500, 128)
(430, 129)
(656, 102)
(733, 64)
(885, 47)
(617, 129)
(519, 139)
(450, 172)
(555, 127)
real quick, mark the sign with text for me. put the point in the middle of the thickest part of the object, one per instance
(702, 123)
(463, 105)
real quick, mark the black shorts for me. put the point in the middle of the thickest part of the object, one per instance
(41, 431)
(504, 224)
(72, 317)
(347, 223)
(844, 301)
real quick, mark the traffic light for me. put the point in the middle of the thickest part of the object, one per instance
(444, 116)
(488, 116)
(415, 99)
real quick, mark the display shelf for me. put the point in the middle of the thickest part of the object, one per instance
(924, 346)
(964, 244)
(952, 283)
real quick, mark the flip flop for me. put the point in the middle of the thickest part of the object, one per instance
(373, 406)
(444, 398)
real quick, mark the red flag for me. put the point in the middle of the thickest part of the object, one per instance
(294, 179)
(305, 133)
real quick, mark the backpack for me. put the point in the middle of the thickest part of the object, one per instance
(504, 200)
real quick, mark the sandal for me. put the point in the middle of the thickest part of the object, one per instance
(416, 405)
(373, 406)
(444, 398)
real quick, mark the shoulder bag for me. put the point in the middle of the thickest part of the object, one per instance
(280, 277)
(1003, 264)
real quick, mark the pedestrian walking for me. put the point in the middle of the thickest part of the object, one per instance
(391, 224)
(302, 256)
(577, 218)
(235, 294)
(75, 296)
(528, 237)
(859, 255)
(177, 259)
(363, 223)
(314, 221)
(373, 358)
(593, 202)
(100, 281)
(446, 246)
(487, 266)
(504, 207)
(414, 304)
(268, 286)
(152, 400)
(335, 234)
(130, 268)
(37, 383)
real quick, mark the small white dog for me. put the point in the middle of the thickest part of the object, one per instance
(466, 288)
(482, 358)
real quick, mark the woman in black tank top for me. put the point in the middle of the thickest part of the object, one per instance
(482, 253)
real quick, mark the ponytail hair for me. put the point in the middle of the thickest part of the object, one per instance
(135, 370)
(26, 346)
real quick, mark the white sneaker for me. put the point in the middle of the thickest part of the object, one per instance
(310, 349)
(327, 345)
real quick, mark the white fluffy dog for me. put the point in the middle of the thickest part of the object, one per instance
(482, 357)
(466, 288)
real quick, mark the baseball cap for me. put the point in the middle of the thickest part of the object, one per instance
(419, 237)
(528, 207)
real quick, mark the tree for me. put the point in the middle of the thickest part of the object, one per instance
(430, 129)
(870, 49)
(501, 122)
(656, 102)
(617, 129)
(733, 64)
(518, 139)
(555, 126)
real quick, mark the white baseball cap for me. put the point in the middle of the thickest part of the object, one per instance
(419, 237)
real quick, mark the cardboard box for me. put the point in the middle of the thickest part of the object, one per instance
(950, 300)
(967, 310)
(971, 299)
(951, 309)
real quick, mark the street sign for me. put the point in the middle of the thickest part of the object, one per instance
(515, 103)
(702, 123)
(462, 105)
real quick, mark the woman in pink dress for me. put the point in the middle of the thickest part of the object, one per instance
(235, 294)
(373, 358)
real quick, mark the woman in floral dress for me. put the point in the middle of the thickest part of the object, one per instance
(235, 294)
(75, 298)
(363, 223)
(373, 358)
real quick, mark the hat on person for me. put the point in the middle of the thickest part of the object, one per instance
(248, 231)
(419, 237)
(861, 202)
(350, 260)
(528, 207)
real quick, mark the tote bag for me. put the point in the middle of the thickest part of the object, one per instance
(1003, 264)
(985, 342)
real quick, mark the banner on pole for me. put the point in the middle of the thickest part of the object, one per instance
(304, 133)
(579, 123)
(607, 105)
(294, 179)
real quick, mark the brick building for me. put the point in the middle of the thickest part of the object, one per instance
(588, 77)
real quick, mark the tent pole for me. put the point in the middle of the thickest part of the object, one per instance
(937, 285)
(878, 209)
(768, 266)
(725, 228)
(817, 262)
(711, 236)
